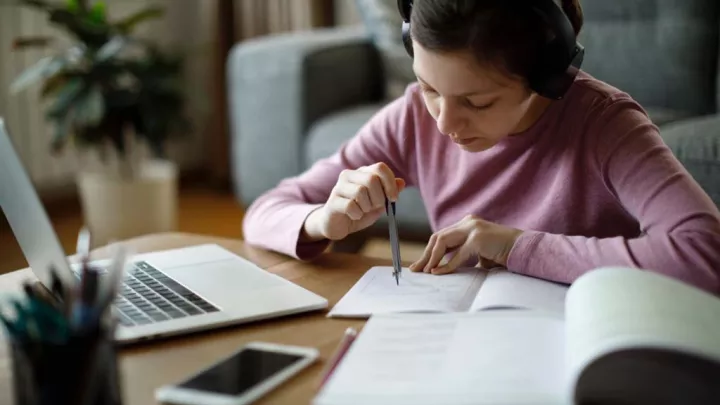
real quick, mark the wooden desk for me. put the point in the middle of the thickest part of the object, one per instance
(146, 366)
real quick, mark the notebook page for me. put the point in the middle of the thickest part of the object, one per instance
(503, 357)
(614, 308)
(504, 289)
(376, 292)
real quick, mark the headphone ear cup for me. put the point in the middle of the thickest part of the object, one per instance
(552, 77)
(407, 41)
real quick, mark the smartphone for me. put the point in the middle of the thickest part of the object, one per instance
(241, 378)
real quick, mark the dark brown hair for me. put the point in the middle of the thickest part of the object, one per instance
(499, 32)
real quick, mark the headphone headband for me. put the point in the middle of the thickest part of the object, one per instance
(559, 61)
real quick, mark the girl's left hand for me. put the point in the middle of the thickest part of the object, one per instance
(472, 236)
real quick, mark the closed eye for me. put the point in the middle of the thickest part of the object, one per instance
(480, 107)
(427, 90)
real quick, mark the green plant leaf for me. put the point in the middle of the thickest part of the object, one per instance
(53, 84)
(67, 95)
(111, 48)
(90, 108)
(61, 131)
(90, 33)
(72, 5)
(41, 69)
(128, 23)
(97, 13)
(46, 67)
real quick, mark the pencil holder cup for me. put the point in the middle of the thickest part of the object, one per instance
(80, 371)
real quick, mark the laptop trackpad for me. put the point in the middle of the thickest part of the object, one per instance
(219, 280)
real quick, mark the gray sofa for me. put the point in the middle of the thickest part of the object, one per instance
(294, 98)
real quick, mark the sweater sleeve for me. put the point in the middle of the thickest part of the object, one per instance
(679, 223)
(275, 220)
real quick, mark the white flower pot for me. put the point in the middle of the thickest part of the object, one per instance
(116, 208)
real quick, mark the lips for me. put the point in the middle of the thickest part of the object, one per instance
(465, 141)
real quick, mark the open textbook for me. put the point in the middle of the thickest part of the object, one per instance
(466, 290)
(628, 337)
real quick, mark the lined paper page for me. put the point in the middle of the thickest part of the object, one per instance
(376, 292)
(503, 357)
(504, 289)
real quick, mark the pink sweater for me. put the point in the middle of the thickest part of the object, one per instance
(591, 183)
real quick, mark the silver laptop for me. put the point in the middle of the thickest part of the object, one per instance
(165, 293)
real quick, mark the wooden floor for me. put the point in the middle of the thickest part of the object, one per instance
(201, 211)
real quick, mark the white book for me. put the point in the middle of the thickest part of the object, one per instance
(466, 290)
(627, 336)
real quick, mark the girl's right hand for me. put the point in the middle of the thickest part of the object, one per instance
(355, 203)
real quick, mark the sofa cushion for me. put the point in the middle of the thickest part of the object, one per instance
(662, 116)
(327, 134)
(326, 137)
(662, 52)
(384, 24)
(696, 143)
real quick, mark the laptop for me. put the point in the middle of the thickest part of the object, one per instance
(165, 293)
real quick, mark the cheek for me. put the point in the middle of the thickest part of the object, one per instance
(498, 122)
(433, 105)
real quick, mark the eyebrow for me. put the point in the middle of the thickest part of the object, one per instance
(466, 94)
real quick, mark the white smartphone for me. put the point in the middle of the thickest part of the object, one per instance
(241, 378)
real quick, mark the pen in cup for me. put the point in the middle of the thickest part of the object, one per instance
(113, 279)
(83, 311)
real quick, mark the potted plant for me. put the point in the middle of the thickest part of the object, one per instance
(120, 97)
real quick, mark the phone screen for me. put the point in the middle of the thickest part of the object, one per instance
(241, 372)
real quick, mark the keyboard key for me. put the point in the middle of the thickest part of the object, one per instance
(175, 313)
(148, 294)
(208, 307)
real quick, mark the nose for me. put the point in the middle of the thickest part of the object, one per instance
(450, 119)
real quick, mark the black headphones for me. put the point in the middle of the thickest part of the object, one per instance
(558, 64)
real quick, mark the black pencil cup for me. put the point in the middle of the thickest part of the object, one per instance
(81, 371)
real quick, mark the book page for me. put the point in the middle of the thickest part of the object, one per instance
(376, 292)
(503, 357)
(624, 310)
(504, 289)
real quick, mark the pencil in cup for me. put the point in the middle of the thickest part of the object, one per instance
(62, 346)
(81, 371)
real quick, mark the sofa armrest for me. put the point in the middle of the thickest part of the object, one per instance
(696, 143)
(279, 85)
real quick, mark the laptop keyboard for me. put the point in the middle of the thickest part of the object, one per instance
(148, 296)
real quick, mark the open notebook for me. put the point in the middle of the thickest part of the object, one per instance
(466, 290)
(627, 337)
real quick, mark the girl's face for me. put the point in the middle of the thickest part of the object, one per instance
(475, 105)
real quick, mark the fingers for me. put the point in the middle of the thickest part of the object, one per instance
(462, 255)
(356, 192)
(347, 206)
(439, 244)
(360, 194)
(360, 185)
(400, 184)
(488, 264)
(382, 172)
(367, 220)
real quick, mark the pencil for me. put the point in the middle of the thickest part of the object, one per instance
(342, 349)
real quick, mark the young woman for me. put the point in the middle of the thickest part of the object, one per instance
(551, 187)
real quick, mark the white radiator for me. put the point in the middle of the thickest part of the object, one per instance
(22, 111)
